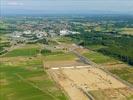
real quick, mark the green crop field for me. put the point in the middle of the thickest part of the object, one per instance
(46, 52)
(95, 47)
(28, 81)
(98, 57)
(125, 73)
(62, 56)
(65, 39)
(23, 52)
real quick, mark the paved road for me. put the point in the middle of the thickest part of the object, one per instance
(83, 59)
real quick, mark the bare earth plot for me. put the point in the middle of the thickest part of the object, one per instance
(94, 78)
(80, 82)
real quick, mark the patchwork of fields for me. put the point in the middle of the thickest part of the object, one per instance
(27, 50)
(60, 57)
(22, 77)
(28, 73)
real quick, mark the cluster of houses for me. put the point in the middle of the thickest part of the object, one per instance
(29, 34)
(33, 36)
(40, 34)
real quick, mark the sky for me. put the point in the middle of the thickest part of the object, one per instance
(66, 6)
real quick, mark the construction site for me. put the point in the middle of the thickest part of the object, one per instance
(81, 79)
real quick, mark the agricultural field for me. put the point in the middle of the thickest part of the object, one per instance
(22, 77)
(104, 94)
(46, 52)
(98, 57)
(128, 31)
(63, 39)
(60, 57)
(37, 62)
(125, 73)
(23, 51)
(4, 45)
(95, 47)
